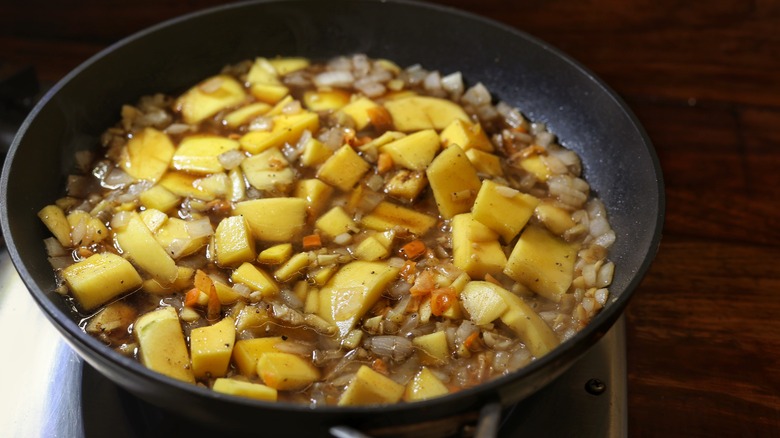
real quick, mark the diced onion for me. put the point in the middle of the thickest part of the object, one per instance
(231, 159)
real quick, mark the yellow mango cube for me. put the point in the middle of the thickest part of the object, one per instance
(211, 348)
(174, 237)
(292, 267)
(433, 348)
(256, 279)
(336, 221)
(159, 198)
(536, 166)
(475, 247)
(537, 336)
(161, 344)
(147, 154)
(246, 114)
(315, 192)
(99, 279)
(454, 182)
(388, 216)
(324, 100)
(415, 113)
(268, 170)
(485, 162)
(406, 184)
(286, 371)
(55, 220)
(185, 185)
(314, 153)
(247, 352)
(556, 219)
(269, 93)
(244, 389)
(287, 128)
(358, 110)
(424, 385)
(288, 64)
(199, 153)
(343, 169)
(276, 254)
(210, 97)
(414, 151)
(274, 219)
(503, 209)
(233, 242)
(466, 135)
(369, 387)
(142, 248)
(352, 291)
(482, 302)
(542, 262)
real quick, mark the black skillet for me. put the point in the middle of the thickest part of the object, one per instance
(619, 163)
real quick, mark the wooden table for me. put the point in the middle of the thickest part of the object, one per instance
(704, 79)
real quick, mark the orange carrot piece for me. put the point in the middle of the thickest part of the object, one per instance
(379, 366)
(472, 342)
(214, 307)
(384, 163)
(203, 281)
(312, 241)
(380, 117)
(423, 284)
(409, 271)
(191, 297)
(413, 249)
(442, 299)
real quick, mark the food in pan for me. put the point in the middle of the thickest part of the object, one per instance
(346, 232)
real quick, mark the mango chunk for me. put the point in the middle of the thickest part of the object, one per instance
(161, 344)
(90, 228)
(406, 184)
(466, 135)
(454, 182)
(343, 169)
(246, 114)
(538, 337)
(424, 385)
(388, 216)
(269, 170)
(210, 97)
(314, 153)
(256, 279)
(175, 238)
(485, 162)
(503, 209)
(352, 291)
(556, 219)
(288, 64)
(433, 348)
(292, 267)
(542, 262)
(147, 155)
(183, 280)
(286, 129)
(199, 153)
(336, 221)
(211, 348)
(269, 93)
(141, 247)
(99, 279)
(276, 254)
(358, 110)
(416, 113)
(247, 352)
(536, 166)
(286, 372)
(375, 247)
(244, 389)
(185, 185)
(475, 247)
(316, 194)
(55, 220)
(414, 151)
(274, 219)
(323, 100)
(368, 387)
(482, 302)
(159, 198)
(233, 242)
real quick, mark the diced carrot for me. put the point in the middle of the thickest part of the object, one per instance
(191, 297)
(379, 366)
(234, 136)
(409, 271)
(312, 241)
(413, 249)
(442, 299)
(214, 307)
(472, 342)
(424, 284)
(203, 281)
(384, 163)
(414, 305)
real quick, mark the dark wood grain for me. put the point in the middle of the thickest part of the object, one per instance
(704, 79)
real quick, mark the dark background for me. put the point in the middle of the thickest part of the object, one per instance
(704, 79)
